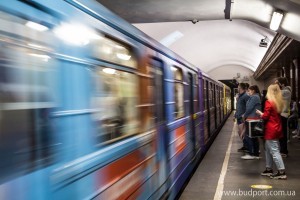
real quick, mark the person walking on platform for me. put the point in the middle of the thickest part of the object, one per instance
(286, 96)
(240, 110)
(253, 104)
(273, 132)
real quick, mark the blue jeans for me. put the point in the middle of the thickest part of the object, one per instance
(272, 153)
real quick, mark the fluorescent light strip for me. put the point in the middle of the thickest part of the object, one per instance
(276, 20)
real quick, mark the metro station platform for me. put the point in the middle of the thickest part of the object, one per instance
(222, 174)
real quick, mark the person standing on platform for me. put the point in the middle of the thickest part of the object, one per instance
(253, 104)
(240, 110)
(273, 132)
(297, 131)
(263, 99)
(286, 96)
(293, 118)
(247, 87)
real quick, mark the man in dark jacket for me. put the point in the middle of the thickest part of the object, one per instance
(286, 92)
(241, 108)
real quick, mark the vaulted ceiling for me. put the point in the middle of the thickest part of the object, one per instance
(227, 32)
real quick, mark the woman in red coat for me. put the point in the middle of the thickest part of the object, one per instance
(273, 131)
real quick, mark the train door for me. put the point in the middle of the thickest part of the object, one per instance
(215, 102)
(160, 120)
(28, 142)
(220, 108)
(218, 117)
(221, 104)
(191, 111)
(207, 107)
(196, 116)
(212, 108)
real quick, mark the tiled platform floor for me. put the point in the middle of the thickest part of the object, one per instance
(240, 174)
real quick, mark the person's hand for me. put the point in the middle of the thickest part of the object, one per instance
(259, 112)
(243, 117)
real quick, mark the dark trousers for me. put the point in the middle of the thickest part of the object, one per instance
(252, 144)
(283, 140)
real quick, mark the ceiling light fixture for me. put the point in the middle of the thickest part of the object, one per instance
(276, 20)
(109, 71)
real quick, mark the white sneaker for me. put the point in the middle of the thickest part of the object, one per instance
(295, 136)
(295, 132)
(249, 157)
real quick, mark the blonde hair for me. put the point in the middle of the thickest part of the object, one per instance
(274, 95)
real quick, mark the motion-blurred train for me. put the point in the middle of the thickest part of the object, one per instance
(92, 108)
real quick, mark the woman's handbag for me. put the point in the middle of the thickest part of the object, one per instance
(259, 128)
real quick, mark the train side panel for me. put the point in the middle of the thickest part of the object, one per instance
(93, 109)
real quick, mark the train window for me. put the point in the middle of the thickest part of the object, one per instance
(196, 93)
(159, 93)
(205, 87)
(26, 101)
(116, 98)
(210, 94)
(26, 96)
(217, 95)
(178, 92)
(111, 50)
(220, 95)
(158, 82)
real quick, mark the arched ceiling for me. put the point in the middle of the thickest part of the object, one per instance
(214, 41)
(211, 44)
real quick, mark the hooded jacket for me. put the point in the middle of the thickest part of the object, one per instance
(286, 96)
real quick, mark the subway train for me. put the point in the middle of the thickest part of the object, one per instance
(92, 108)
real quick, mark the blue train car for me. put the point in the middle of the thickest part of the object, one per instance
(92, 108)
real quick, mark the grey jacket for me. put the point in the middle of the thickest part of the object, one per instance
(286, 96)
(241, 105)
(253, 103)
